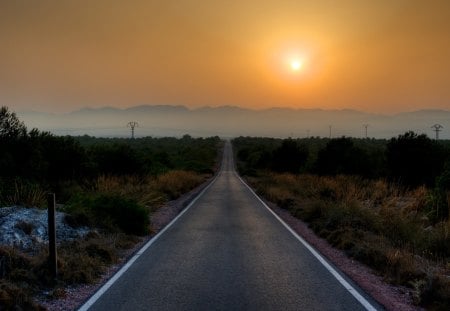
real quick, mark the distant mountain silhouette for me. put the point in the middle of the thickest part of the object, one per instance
(231, 121)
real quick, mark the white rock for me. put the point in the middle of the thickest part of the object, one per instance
(37, 218)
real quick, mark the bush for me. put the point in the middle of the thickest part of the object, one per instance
(118, 159)
(289, 157)
(110, 212)
(13, 297)
(341, 156)
(414, 159)
(175, 183)
(21, 192)
(83, 261)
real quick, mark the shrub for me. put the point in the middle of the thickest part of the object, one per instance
(13, 297)
(175, 183)
(289, 157)
(341, 156)
(110, 212)
(118, 159)
(414, 159)
(84, 261)
(24, 193)
(435, 292)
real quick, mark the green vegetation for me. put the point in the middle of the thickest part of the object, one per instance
(110, 212)
(384, 202)
(110, 184)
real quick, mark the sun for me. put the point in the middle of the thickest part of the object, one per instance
(296, 65)
(292, 64)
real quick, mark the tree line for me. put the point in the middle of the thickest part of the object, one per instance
(409, 159)
(37, 157)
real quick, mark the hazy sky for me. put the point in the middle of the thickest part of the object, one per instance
(380, 56)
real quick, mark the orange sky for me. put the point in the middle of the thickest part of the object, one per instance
(380, 56)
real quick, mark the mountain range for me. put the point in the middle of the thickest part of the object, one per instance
(231, 121)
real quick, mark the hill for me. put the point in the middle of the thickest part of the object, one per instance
(231, 121)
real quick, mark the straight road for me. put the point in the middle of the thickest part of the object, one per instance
(227, 252)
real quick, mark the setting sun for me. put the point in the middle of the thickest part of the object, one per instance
(296, 65)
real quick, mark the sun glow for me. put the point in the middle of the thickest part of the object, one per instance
(296, 65)
(292, 63)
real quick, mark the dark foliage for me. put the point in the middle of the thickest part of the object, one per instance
(341, 156)
(414, 159)
(289, 157)
(117, 159)
(108, 212)
(410, 159)
(10, 126)
(42, 157)
(53, 162)
(148, 155)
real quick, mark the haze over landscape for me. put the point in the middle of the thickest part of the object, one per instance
(229, 121)
(380, 59)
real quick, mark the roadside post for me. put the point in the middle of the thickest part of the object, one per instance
(52, 256)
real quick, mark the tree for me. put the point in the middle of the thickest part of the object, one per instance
(289, 157)
(13, 135)
(116, 159)
(10, 125)
(341, 156)
(414, 159)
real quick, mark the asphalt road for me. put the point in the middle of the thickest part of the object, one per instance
(228, 252)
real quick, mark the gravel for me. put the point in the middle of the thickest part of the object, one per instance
(26, 228)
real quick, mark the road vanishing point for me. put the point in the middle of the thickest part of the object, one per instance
(228, 251)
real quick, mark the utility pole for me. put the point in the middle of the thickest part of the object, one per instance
(437, 128)
(51, 230)
(132, 125)
(307, 134)
(330, 131)
(365, 127)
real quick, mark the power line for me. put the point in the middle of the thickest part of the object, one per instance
(132, 125)
(365, 127)
(437, 128)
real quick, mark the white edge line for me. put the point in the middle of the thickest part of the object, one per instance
(130, 262)
(363, 301)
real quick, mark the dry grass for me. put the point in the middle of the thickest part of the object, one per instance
(83, 261)
(381, 224)
(142, 190)
(175, 183)
(26, 194)
(149, 191)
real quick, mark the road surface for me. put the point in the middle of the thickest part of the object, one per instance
(227, 252)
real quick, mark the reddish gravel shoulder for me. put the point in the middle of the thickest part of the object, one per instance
(391, 297)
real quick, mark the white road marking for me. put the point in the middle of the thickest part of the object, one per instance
(130, 262)
(119, 273)
(363, 301)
